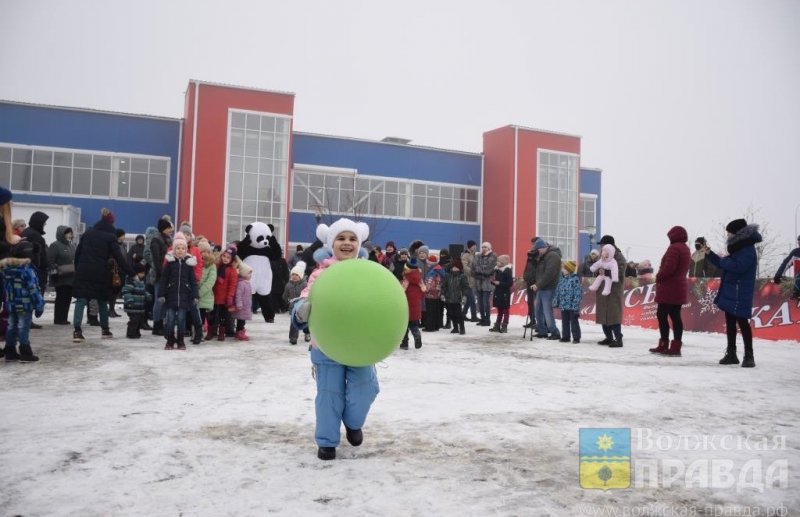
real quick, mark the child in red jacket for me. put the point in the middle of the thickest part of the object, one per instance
(415, 292)
(224, 293)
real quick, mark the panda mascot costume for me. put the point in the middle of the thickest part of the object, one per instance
(256, 250)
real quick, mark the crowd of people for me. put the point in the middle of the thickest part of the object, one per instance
(190, 287)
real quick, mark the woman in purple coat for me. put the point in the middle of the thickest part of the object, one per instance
(672, 291)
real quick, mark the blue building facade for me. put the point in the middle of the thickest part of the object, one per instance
(91, 159)
(403, 192)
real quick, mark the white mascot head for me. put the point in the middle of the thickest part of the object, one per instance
(258, 233)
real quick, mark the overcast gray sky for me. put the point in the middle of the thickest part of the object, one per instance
(691, 108)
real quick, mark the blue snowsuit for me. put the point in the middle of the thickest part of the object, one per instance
(344, 393)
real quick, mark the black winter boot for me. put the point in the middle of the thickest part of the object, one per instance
(170, 341)
(354, 436)
(11, 355)
(417, 338)
(158, 328)
(326, 453)
(496, 327)
(198, 335)
(404, 343)
(26, 354)
(748, 361)
(730, 356)
(503, 329)
(461, 329)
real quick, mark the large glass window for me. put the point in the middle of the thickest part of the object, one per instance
(587, 216)
(258, 165)
(67, 172)
(557, 200)
(357, 196)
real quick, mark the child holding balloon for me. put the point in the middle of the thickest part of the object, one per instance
(344, 393)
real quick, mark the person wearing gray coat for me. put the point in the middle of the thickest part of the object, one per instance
(609, 308)
(467, 257)
(483, 267)
(61, 257)
(548, 271)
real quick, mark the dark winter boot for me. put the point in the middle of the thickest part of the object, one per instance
(26, 354)
(11, 355)
(404, 343)
(326, 453)
(181, 343)
(747, 362)
(674, 348)
(354, 436)
(417, 338)
(447, 324)
(93, 321)
(503, 329)
(144, 325)
(212, 332)
(730, 356)
(461, 329)
(496, 327)
(158, 328)
(170, 341)
(221, 333)
(661, 348)
(197, 338)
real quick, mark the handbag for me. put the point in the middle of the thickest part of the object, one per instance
(65, 270)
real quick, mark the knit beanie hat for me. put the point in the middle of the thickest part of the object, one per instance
(327, 234)
(607, 239)
(700, 240)
(5, 195)
(138, 267)
(403, 251)
(539, 244)
(186, 227)
(179, 239)
(424, 249)
(471, 243)
(107, 215)
(570, 266)
(735, 225)
(231, 250)
(390, 243)
(299, 269)
(413, 263)
(163, 224)
(119, 232)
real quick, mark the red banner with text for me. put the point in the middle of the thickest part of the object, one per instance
(775, 315)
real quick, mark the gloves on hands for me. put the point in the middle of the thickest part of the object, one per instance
(300, 314)
(38, 312)
(303, 311)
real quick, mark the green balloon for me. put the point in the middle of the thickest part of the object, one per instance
(359, 312)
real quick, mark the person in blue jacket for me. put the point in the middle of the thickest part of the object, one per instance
(735, 296)
(344, 393)
(794, 258)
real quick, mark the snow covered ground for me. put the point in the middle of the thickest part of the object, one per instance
(482, 424)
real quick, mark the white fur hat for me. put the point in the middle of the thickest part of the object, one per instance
(299, 269)
(327, 234)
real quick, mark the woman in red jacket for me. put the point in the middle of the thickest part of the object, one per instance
(672, 291)
(224, 293)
